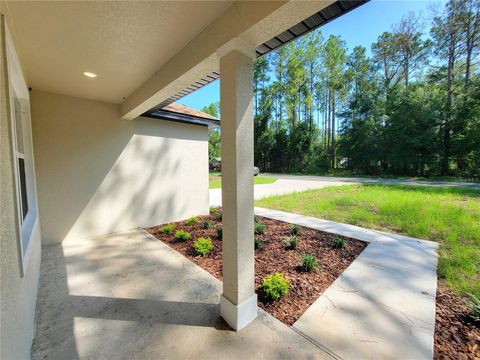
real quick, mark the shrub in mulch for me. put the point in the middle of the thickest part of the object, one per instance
(457, 333)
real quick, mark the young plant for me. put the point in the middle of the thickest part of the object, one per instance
(309, 262)
(295, 230)
(203, 246)
(259, 228)
(207, 224)
(182, 236)
(213, 210)
(191, 221)
(219, 232)
(338, 242)
(167, 229)
(475, 310)
(274, 286)
(257, 243)
(291, 242)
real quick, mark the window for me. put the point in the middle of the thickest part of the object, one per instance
(22, 153)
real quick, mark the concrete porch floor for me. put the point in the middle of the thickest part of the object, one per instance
(129, 296)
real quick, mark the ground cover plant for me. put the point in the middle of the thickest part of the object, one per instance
(203, 246)
(272, 255)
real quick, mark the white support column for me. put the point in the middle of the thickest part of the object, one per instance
(239, 302)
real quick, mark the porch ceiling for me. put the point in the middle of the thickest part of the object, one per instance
(125, 43)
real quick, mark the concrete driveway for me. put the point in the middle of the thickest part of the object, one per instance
(295, 183)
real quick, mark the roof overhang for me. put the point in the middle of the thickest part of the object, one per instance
(163, 114)
(313, 22)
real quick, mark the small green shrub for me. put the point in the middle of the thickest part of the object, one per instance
(338, 242)
(218, 215)
(295, 230)
(291, 242)
(203, 246)
(207, 224)
(167, 229)
(219, 232)
(257, 243)
(182, 236)
(475, 310)
(274, 286)
(191, 221)
(259, 228)
(213, 210)
(309, 262)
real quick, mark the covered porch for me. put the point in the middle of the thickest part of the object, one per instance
(124, 294)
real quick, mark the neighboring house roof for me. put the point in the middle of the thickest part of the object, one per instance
(182, 113)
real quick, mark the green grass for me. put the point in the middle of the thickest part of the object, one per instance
(216, 180)
(450, 216)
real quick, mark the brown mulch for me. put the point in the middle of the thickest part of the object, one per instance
(274, 256)
(457, 336)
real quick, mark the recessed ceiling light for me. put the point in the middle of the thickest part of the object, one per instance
(90, 74)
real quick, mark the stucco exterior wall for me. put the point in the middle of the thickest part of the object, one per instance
(17, 293)
(97, 173)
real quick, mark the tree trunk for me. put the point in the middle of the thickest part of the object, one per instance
(333, 131)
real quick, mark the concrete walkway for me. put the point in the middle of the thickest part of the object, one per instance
(129, 296)
(383, 305)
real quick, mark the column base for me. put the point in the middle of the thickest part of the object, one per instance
(239, 316)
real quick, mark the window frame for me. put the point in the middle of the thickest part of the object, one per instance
(17, 89)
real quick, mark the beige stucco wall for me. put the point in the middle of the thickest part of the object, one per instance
(17, 293)
(97, 173)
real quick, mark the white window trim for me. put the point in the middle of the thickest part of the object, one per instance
(18, 87)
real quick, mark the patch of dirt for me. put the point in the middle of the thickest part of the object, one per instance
(272, 256)
(457, 335)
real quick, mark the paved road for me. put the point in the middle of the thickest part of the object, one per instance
(295, 183)
(354, 180)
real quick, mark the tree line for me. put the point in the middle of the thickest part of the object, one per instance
(409, 107)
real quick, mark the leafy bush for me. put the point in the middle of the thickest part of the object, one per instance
(274, 286)
(182, 236)
(257, 243)
(191, 221)
(338, 242)
(291, 242)
(475, 311)
(295, 230)
(207, 224)
(259, 228)
(219, 232)
(309, 262)
(203, 246)
(167, 229)
(213, 210)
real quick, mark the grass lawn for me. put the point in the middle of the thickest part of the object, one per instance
(450, 216)
(216, 180)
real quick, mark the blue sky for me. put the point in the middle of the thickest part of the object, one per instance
(359, 27)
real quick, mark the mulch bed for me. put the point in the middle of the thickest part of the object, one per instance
(274, 256)
(457, 336)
